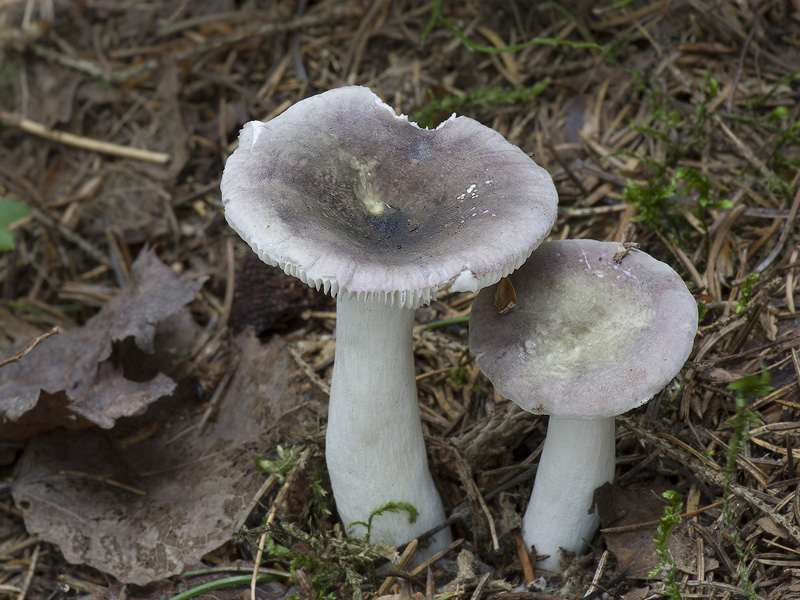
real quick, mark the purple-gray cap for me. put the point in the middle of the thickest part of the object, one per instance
(349, 197)
(590, 337)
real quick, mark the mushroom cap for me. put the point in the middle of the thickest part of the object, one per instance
(347, 196)
(589, 337)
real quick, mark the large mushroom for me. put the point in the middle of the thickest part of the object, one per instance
(593, 335)
(352, 199)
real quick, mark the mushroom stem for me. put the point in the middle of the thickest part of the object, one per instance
(578, 457)
(374, 445)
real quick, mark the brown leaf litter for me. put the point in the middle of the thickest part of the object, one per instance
(154, 494)
(117, 120)
(73, 380)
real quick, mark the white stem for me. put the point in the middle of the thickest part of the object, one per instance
(578, 457)
(374, 445)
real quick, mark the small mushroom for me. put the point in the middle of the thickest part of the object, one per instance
(589, 339)
(352, 199)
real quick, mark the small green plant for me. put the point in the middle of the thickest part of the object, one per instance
(389, 507)
(653, 200)
(279, 467)
(670, 519)
(10, 212)
(656, 210)
(332, 561)
(318, 503)
(329, 557)
(702, 310)
(428, 115)
(460, 375)
(745, 291)
(750, 385)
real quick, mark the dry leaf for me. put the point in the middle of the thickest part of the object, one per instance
(71, 380)
(619, 507)
(198, 485)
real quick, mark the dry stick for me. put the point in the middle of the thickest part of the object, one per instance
(746, 152)
(593, 210)
(787, 227)
(463, 510)
(465, 473)
(430, 588)
(405, 559)
(421, 568)
(731, 589)
(524, 556)
(30, 346)
(789, 288)
(716, 246)
(742, 55)
(598, 573)
(685, 261)
(297, 59)
(373, 19)
(323, 385)
(29, 575)
(230, 272)
(219, 392)
(265, 489)
(645, 525)
(284, 491)
(61, 590)
(567, 169)
(77, 141)
(476, 595)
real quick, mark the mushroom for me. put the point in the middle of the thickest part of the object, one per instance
(589, 339)
(352, 199)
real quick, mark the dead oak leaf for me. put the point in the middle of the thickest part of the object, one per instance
(71, 380)
(188, 490)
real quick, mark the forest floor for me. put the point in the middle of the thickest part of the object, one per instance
(128, 437)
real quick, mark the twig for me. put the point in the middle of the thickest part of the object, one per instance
(405, 559)
(598, 573)
(476, 595)
(309, 371)
(421, 568)
(473, 493)
(787, 227)
(230, 274)
(30, 346)
(645, 525)
(61, 590)
(77, 141)
(29, 574)
(745, 150)
(219, 392)
(265, 489)
(284, 491)
(745, 47)
(567, 169)
(524, 556)
(297, 58)
(463, 509)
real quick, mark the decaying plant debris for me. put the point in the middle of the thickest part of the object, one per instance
(671, 124)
